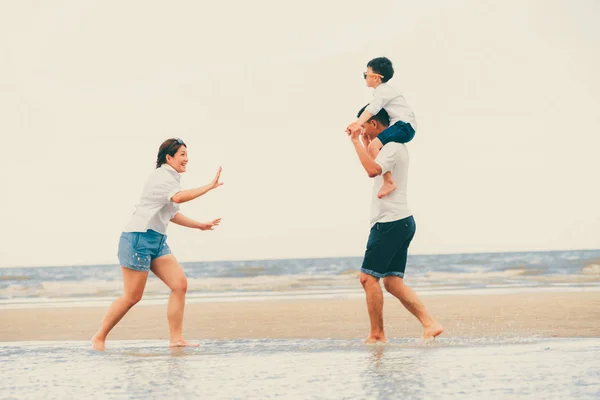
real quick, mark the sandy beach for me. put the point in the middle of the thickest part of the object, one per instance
(571, 314)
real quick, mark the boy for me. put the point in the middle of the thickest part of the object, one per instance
(402, 119)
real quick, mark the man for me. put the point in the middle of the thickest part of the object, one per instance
(393, 228)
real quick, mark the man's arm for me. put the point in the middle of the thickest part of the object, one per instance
(373, 169)
(365, 141)
(356, 125)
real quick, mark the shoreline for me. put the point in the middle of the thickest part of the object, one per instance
(540, 313)
(319, 294)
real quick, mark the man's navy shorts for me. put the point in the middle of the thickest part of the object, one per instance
(387, 248)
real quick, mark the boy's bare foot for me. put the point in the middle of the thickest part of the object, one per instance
(386, 189)
(97, 344)
(373, 339)
(432, 331)
(183, 343)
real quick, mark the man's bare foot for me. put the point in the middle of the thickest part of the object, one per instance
(183, 343)
(386, 189)
(432, 331)
(373, 339)
(97, 344)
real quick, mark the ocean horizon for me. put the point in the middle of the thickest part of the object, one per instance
(36, 286)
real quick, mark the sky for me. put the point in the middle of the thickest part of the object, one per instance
(505, 158)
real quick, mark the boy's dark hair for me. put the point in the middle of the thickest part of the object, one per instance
(170, 147)
(382, 116)
(382, 66)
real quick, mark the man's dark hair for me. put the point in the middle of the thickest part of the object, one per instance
(382, 116)
(382, 66)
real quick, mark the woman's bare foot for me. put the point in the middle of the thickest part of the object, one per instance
(432, 331)
(386, 189)
(97, 344)
(183, 343)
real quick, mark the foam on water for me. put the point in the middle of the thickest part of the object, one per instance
(194, 298)
(332, 369)
(579, 268)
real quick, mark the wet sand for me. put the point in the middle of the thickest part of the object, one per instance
(572, 314)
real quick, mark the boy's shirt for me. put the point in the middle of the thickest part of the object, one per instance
(386, 97)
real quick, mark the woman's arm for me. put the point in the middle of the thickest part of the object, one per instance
(182, 220)
(191, 194)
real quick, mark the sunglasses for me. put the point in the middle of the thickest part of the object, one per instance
(365, 74)
(177, 140)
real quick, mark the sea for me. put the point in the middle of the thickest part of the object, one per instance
(451, 367)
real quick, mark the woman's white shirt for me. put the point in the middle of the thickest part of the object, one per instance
(155, 208)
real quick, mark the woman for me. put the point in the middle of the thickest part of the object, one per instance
(143, 245)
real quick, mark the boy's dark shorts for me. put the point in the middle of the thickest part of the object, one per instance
(387, 248)
(400, 132)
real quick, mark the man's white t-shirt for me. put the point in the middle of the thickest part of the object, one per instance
(393, 157)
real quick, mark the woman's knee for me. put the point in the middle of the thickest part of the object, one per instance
(133, 298)
(180, 285)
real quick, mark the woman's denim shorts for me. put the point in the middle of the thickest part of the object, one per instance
(138, 249)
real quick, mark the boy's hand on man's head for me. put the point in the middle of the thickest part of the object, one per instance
(354, 127)
(355, 134)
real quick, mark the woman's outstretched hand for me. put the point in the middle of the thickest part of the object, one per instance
(215, 182)
(209, 226)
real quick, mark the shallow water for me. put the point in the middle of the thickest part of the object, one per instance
(304, 369)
